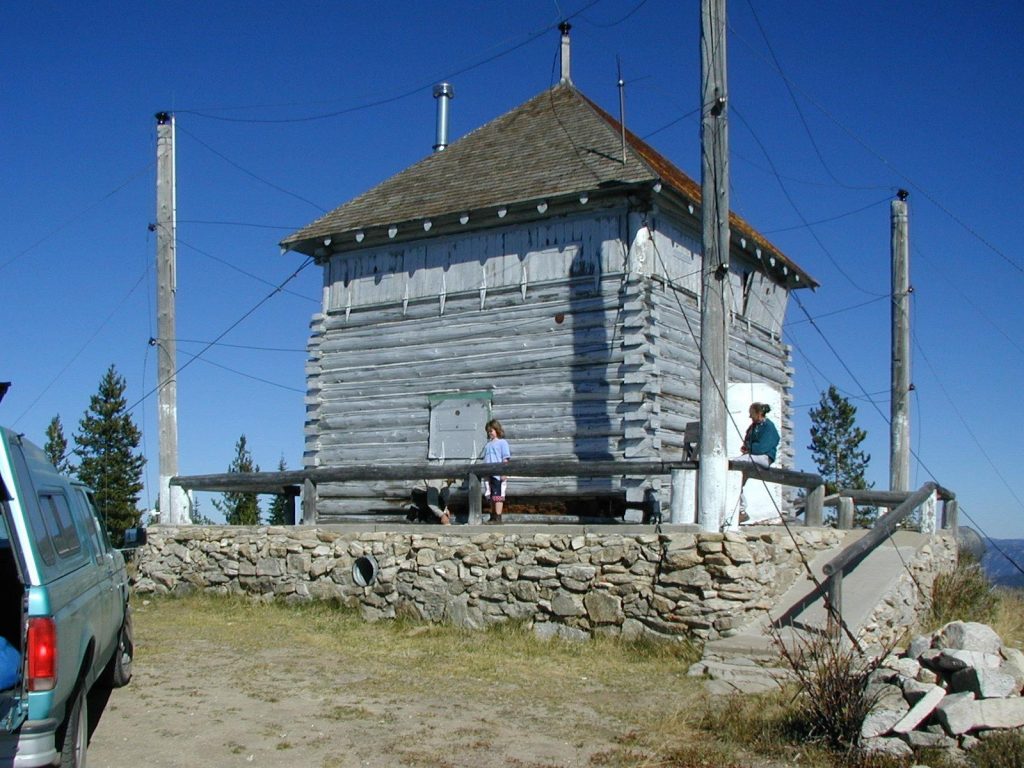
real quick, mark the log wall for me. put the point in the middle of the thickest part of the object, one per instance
(584, 330)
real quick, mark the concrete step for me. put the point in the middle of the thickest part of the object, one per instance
(740, 675)
(800, 611)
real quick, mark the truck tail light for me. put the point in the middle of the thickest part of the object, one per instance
(42, 654)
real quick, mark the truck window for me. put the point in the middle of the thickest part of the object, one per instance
(31, 510)
(60, 526)
(91, 523)
(41, 536)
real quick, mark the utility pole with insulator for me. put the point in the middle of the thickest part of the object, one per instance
(713, 474)
(173, 503)
(899, 422)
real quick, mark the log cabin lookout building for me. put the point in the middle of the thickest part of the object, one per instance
(544, 270)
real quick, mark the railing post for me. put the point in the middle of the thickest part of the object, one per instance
(835, 603)
(846, 509)
(290, 494)
(308, 502)
(815, 501)
(476, 501)
(951, 516)
(683, 494)
(929, 523)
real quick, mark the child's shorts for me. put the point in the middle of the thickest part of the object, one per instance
(494, 488)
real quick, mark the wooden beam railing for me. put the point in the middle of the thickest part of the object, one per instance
(846, 500)
(288, 482)
(882, 530)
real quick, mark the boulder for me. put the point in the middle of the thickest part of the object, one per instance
(918, 645)
(879, 722)
(914, 690)
(961, 713)
(886, 746)
(983, 683)
(926, 740)
(1013, 664)
(920, 711)
(968, 635)
(906, 667)
(955, 659)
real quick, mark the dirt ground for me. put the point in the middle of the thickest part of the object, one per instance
(215, 689)
(199, 718)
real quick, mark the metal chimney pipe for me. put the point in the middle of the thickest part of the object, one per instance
(564, 28)
(444, 93)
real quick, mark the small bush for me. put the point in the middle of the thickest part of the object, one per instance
(1000, 750)
(964, 594)
(833, 695)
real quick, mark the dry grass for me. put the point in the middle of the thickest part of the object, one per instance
(963, 594)
(1009, 618)
(1002, 750)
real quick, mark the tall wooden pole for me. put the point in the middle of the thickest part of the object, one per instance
(714, 335)
(899, 422)
(172, 507)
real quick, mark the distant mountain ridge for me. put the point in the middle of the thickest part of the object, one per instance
(998, 568)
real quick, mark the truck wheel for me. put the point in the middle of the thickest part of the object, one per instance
(75, 738)
(119, 669)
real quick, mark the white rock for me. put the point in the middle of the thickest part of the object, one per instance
(953, 704)
(914, 690)
(984, 683)
(1013, 664)
(918, 645)
(961, 713)
(923, 740)
(968, 635)
(917, 714)
(906, 667)
(955, 659)
(887, 696)
(879, 722)
(889, 746)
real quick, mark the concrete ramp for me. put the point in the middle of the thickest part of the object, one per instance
(748, 660)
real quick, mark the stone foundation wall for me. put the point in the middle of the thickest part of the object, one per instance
(703, 585)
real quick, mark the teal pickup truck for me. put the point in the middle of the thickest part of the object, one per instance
(64, 613)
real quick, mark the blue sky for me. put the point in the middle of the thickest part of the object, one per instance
(833, 108)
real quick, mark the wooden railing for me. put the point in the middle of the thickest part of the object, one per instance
(904, 505)
(293, 483)
(847, 499)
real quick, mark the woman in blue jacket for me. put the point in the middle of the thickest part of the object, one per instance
(762, 438)
(760, 445)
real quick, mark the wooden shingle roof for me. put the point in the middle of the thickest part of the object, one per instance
(559, 143)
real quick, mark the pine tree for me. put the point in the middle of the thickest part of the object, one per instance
(835, 447)
(198, 518)
(240, 508)
(106, 446)
(56, 446)
(278, 514)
